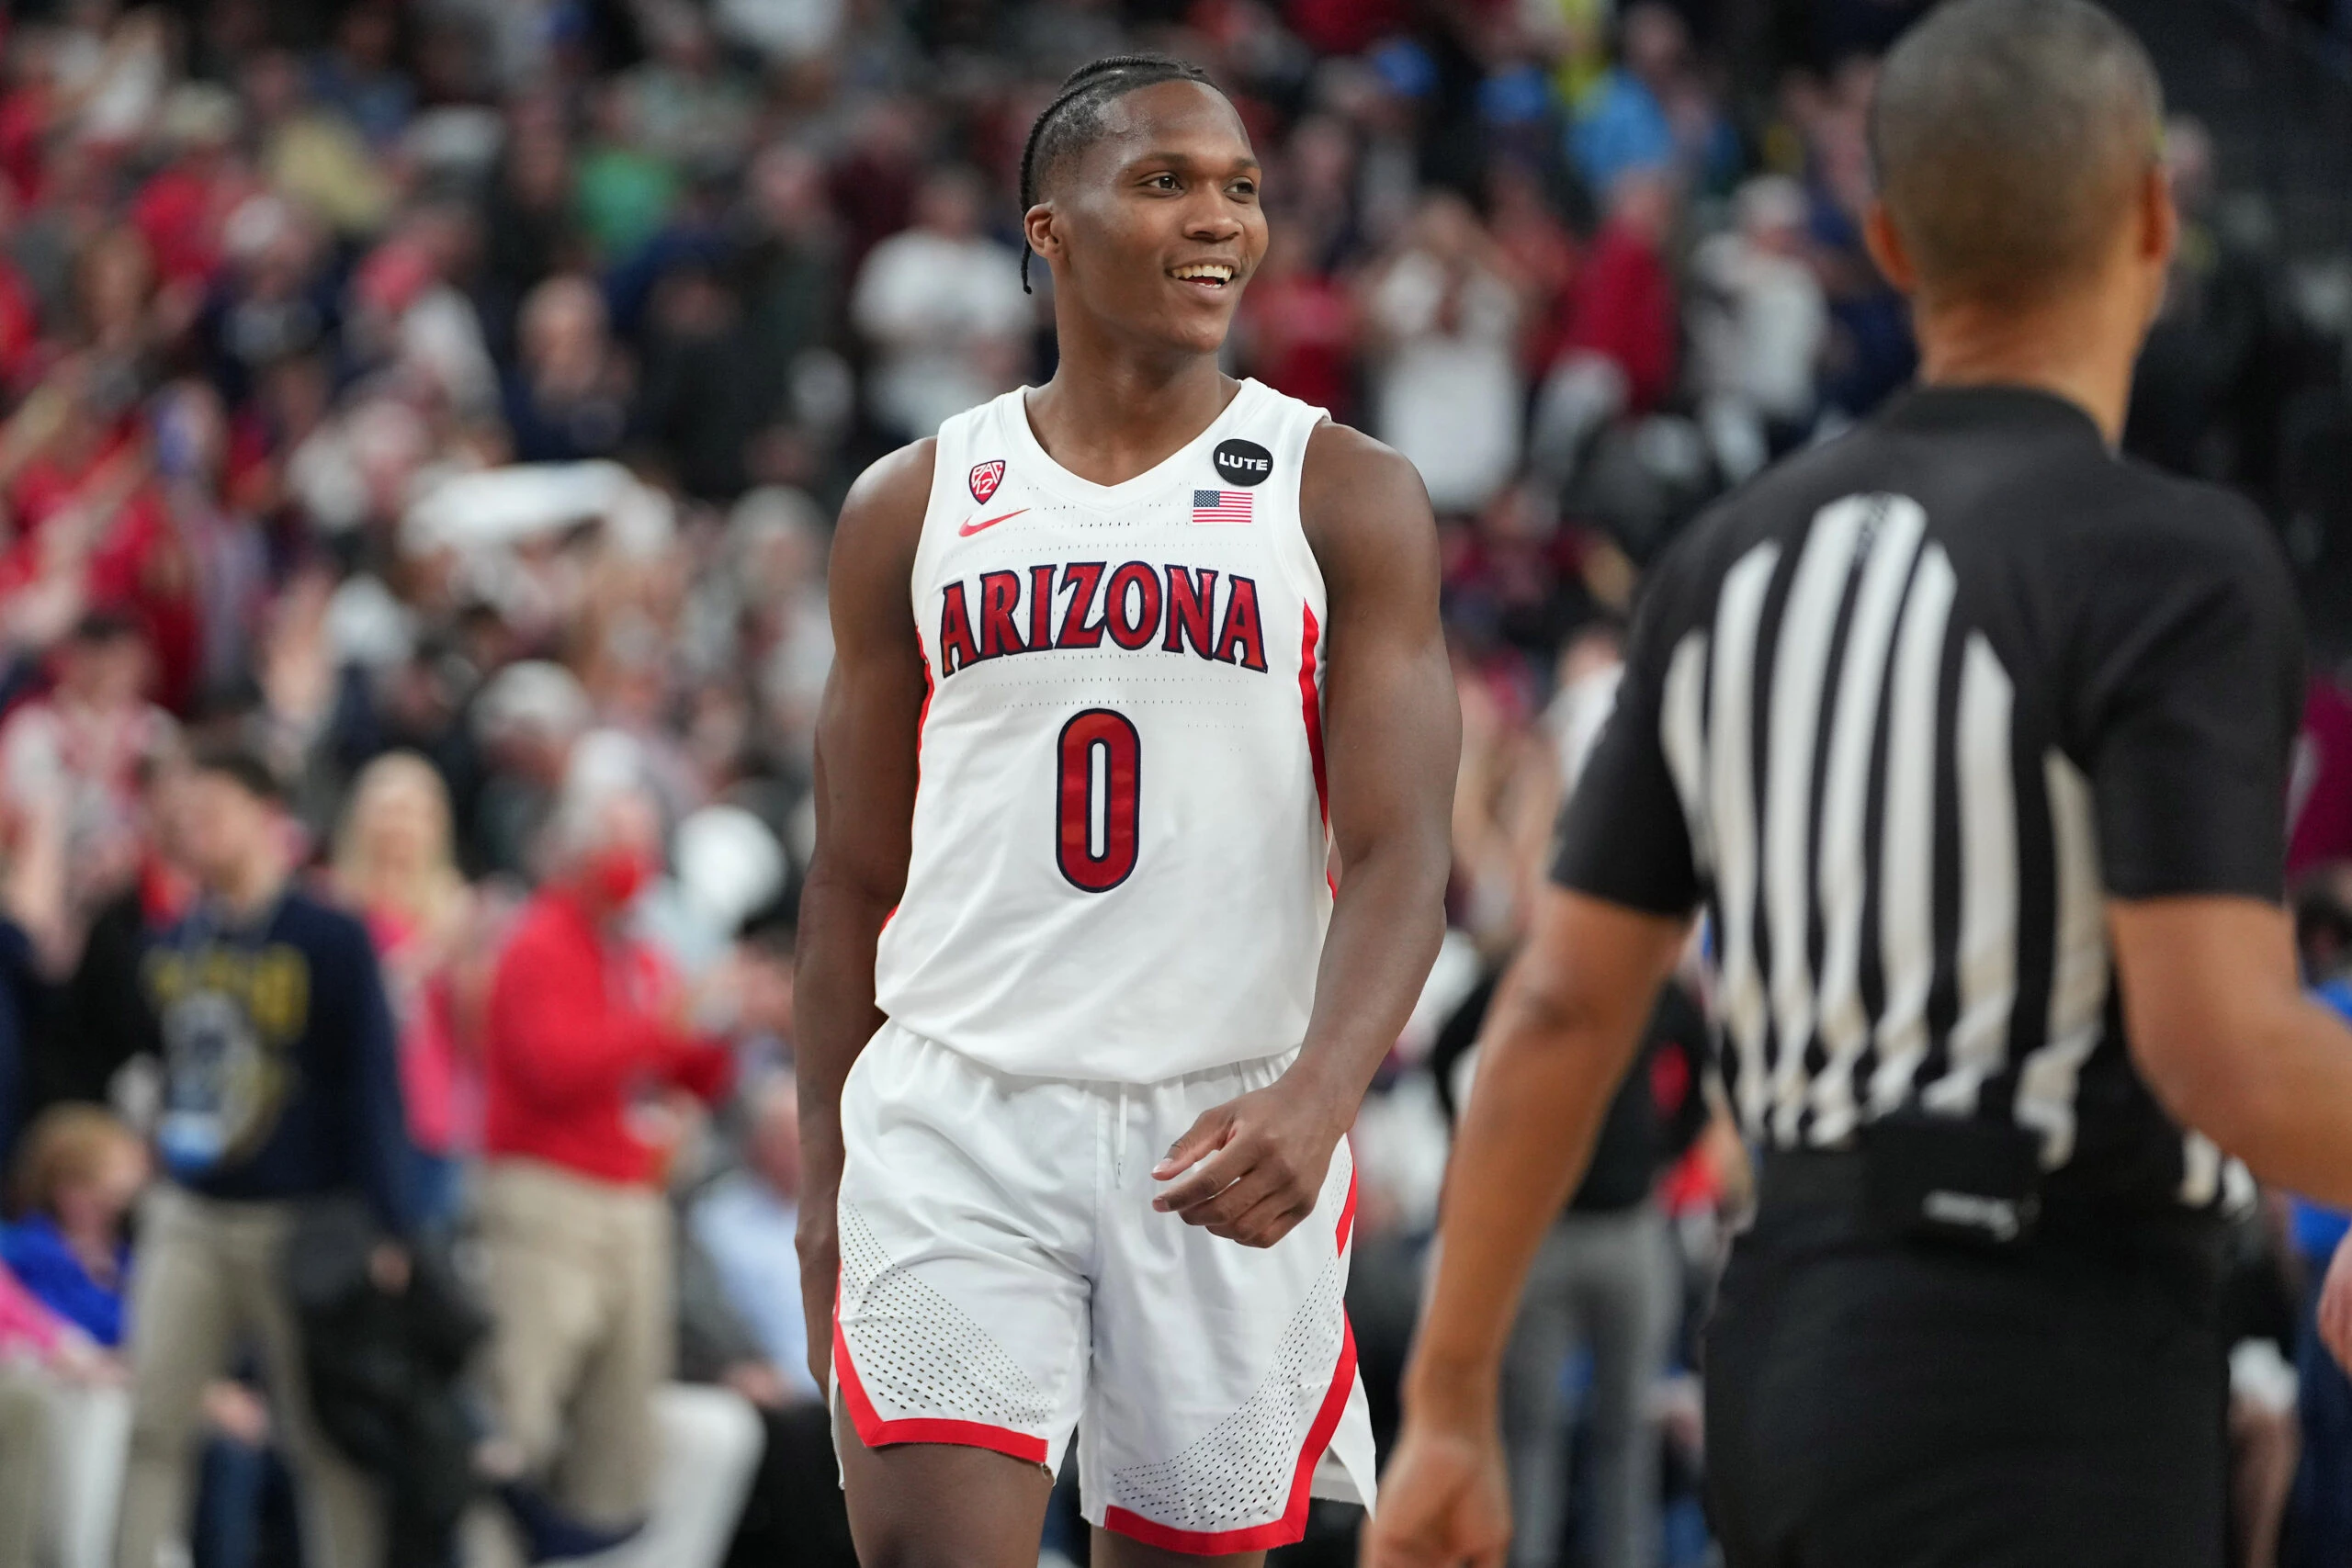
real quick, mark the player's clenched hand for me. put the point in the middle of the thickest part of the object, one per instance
(1443, 1503)
(2336, 1305)
(1251, 1168)
(820, 1271)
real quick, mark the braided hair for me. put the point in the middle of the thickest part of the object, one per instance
(1075, 117)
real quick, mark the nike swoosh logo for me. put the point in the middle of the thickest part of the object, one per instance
(970, 528)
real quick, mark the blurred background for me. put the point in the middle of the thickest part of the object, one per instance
(451, 397)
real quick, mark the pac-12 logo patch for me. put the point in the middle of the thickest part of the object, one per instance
(986, 476)
(1243, 462)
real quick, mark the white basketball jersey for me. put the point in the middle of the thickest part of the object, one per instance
(1120, 836)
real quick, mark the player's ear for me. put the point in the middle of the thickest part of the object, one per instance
(1038, 224)
(2159, 218)
(1884, 243)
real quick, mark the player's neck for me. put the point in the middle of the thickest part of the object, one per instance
(1107, 416)
(2071, 348)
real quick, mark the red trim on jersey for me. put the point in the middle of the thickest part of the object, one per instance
(922, 714)
(875, 1432)
(1310, 708)
(1292, 1525)
(1348, 1211)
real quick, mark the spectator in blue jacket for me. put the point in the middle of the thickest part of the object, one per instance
(77, 1172)
(282, 1088)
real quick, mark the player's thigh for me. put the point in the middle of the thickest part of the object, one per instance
(939, 1505)
(965, 1213)
(1224, 1375)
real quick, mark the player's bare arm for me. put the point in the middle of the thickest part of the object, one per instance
(1562, 1030)
(1250, 1169)
(864, 793)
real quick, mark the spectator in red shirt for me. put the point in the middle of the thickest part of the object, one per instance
(181, 207)
(1617, 353)
(1300, 325)
(585, 1039)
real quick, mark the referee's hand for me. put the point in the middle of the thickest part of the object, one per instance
(1444, 1503)
(2336, 1305)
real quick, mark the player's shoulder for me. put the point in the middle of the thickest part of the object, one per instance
(895, 488)
(880, 526)
(1347, 474)
(1364, 510)
(1341, 453)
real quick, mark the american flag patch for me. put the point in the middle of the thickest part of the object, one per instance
(1220, 506)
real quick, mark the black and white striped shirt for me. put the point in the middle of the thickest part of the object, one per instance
(1906, 712)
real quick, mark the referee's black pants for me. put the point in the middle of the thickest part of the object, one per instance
(1877, 1402)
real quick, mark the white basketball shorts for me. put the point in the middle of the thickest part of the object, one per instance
(1005, 1280)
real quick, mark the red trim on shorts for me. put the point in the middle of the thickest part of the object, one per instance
(875, 1432)
(1292, 1525)
(1310, 708)
(1348, 1210)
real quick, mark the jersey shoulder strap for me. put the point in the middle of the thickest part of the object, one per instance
(966, 468)
(1287, 424)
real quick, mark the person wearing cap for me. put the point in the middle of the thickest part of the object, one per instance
(282, 1091)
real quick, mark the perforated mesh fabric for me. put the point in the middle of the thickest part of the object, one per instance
(1239, 1474)
(919, 1351)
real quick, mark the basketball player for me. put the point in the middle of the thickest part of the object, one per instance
(1086, 1012)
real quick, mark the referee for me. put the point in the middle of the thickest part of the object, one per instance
(1973, 740)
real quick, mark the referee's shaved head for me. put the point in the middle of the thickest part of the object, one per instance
(2012, 139)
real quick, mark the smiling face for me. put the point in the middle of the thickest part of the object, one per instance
(1153, 226)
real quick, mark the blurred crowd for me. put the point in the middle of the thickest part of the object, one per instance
(421, 425)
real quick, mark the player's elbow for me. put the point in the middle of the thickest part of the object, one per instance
(840, 890)
(1410, 863)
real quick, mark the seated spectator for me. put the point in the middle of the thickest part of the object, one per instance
(30, 1336)
(739, 1325)
(282, 1088)
(78, 1173)
(584, 1040)
(64, 1421)
(746, 1222)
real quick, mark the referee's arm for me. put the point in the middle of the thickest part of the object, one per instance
(1563, 1030)
(2186, 697)
(2220, 1028)
(2191, 701)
